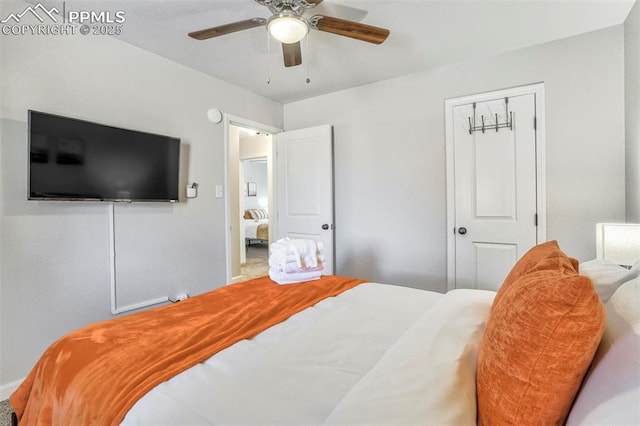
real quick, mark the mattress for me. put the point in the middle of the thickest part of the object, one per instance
(406, 355)
(251, 228)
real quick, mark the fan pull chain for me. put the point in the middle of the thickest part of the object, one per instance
(268, 58)
(307, 61)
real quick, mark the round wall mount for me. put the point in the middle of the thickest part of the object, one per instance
(214, 115)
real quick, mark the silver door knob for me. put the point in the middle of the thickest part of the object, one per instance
(462, 230)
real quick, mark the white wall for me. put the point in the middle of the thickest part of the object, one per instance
(256, 172)
(254, 146)
(632, 111)
(54, 274)
(390, 154)
(251, 147)
(390, 177)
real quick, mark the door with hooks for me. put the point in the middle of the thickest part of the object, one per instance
(495, 188)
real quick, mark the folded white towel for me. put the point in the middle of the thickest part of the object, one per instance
(280, 258)
(304, 251)
(292, 266)
(283, 247)
(294, 277)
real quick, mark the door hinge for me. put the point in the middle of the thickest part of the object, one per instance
(535, 219)
(535, 123)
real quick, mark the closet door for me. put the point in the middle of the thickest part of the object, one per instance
(495, 183)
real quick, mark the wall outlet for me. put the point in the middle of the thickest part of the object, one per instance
(179, 297)
(192, 190)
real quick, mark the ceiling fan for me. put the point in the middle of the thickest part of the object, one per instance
(291, 21)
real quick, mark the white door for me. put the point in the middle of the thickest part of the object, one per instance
(304, 187)
(495, 188)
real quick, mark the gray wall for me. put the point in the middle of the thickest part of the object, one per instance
(390, 172)
(256, 172)
(632, 111)
(54, 264)
(390, 154)
(252, 147)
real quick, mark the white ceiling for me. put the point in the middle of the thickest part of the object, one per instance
(424, 34)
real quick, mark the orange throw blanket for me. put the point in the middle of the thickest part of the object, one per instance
(93, 376)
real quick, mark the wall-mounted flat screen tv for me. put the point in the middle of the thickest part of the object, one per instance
(77, 160)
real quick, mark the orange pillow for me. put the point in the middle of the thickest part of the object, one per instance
(539, 340)
(541, 257)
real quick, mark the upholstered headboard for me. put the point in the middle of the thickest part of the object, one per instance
(618, 242)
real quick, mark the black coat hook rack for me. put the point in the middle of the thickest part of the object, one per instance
(507, 124)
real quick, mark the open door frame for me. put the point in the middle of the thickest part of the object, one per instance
(304, 188)
(231, 120)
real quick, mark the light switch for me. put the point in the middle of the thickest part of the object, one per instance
(218, 191)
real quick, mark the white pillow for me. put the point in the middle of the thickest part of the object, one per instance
(610, 393)
(258, 214)
(608, 276)
(429, 375)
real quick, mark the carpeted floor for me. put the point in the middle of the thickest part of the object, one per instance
(5, 413)
(257, 261)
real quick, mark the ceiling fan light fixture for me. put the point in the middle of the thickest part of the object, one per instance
(287, 28)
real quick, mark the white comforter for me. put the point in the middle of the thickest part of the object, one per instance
(376, 354)
(251, 227)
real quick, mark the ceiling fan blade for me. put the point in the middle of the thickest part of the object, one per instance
(292, 54)
(351, 29)
(227, 28)
(333, 9)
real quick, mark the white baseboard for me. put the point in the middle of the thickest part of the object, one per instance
(237, 279)
(8, 389)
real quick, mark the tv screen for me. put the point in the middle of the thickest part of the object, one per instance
(71, 159)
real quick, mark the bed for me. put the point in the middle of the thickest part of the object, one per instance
(342, 351)
(256, 226)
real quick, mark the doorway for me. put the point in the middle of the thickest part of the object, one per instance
(249, 181)
(299, 195)
(254, 205)
(495, 183)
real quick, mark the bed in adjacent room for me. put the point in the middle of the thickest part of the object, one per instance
(342, 351)
(256, 226)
